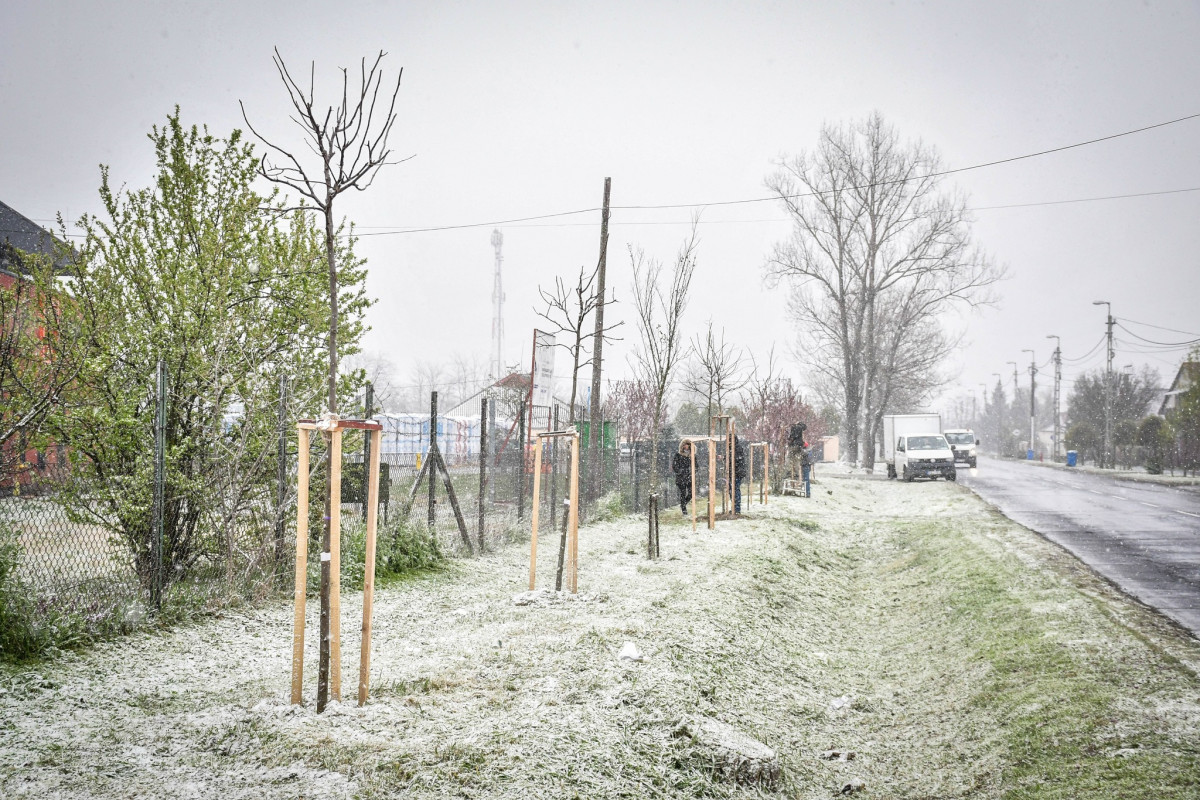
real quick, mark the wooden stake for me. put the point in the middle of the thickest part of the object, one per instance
(537, 496)
(364, 660)
(335, 567)
(766, 472)
(573, 577)
(712, 483)
(692, 450)
(301, 568)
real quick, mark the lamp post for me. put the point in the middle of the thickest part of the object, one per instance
(1057, 396)
(1032, 404)
(999, 415)
(1107, 458)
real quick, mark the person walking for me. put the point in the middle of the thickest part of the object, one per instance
(681, 465)
(806, 462)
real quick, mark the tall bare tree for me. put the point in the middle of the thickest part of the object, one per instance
(567, 310)
(716, 370)
(659, 306)
(349, 140)
(878, 252)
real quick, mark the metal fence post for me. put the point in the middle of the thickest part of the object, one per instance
(281, 475)
(521, 462)
(160, 450)
(433, 448)
(366, 472)
(483, 459)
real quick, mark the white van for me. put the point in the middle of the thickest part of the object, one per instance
(925, 455)
(963, 442)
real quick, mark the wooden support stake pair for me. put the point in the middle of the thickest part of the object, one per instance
(712, 477)
(305, 427)
(764, 489)
(725, 423)
(571, 579)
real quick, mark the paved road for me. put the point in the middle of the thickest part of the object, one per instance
(1144, 537)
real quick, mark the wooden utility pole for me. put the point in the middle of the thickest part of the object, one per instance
(595, 436)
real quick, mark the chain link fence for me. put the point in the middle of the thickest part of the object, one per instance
(91, 552)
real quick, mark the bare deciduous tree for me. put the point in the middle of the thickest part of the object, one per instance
(567, 310)
(659, 311)
(350, 142)
(716, 371)
(877, 254)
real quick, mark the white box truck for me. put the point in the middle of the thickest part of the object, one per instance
(914, 447)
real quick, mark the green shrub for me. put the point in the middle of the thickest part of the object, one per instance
(401, 548)
(610, 506)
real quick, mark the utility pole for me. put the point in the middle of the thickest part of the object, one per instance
(999, 416)
(1057, 394)
(497, 367)
(1032, 404)
(595, 436)
(1107, 385)
(1015, 393)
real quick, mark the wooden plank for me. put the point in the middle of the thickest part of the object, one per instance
(335, 567)
(342, 424)
(537, 496)
(301, 568)
(364, 659)
(573, 542)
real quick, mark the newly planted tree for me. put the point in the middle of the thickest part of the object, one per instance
(659, 302)
(346, 144)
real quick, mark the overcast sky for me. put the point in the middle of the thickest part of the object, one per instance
(521, 109)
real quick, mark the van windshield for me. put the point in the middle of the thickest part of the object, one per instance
(927, 443)
(960, 438)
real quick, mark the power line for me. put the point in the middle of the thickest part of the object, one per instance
(1087, 199)
(1158, 327)
(1169, 345)
(746, 201)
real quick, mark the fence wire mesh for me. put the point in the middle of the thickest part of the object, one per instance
(79, 545)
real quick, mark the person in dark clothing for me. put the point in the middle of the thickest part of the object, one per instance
(681, 465)
(741, 455)
(795, 449)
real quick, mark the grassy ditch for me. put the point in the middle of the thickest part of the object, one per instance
(955, 653)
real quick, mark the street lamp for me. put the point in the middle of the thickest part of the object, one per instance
(1107, 383)
(999, 415)
(1057, 395)
(1032, 402)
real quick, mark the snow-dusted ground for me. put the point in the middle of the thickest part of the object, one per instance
(791, 624)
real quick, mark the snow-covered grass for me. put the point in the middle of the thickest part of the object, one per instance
(955, 653)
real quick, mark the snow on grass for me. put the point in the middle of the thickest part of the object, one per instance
(955, 653)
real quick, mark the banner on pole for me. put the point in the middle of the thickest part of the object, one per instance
(543, 367)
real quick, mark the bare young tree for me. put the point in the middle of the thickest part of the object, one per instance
(877, 253)
(659, 309)
(716, 371)
(350, 142)
(567, 310)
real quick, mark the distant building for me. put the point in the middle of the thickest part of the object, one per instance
(1185, 378)
(21, 239)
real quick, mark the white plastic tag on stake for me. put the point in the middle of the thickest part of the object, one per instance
(326, 557)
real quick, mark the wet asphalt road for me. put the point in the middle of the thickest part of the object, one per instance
(1143, 537)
